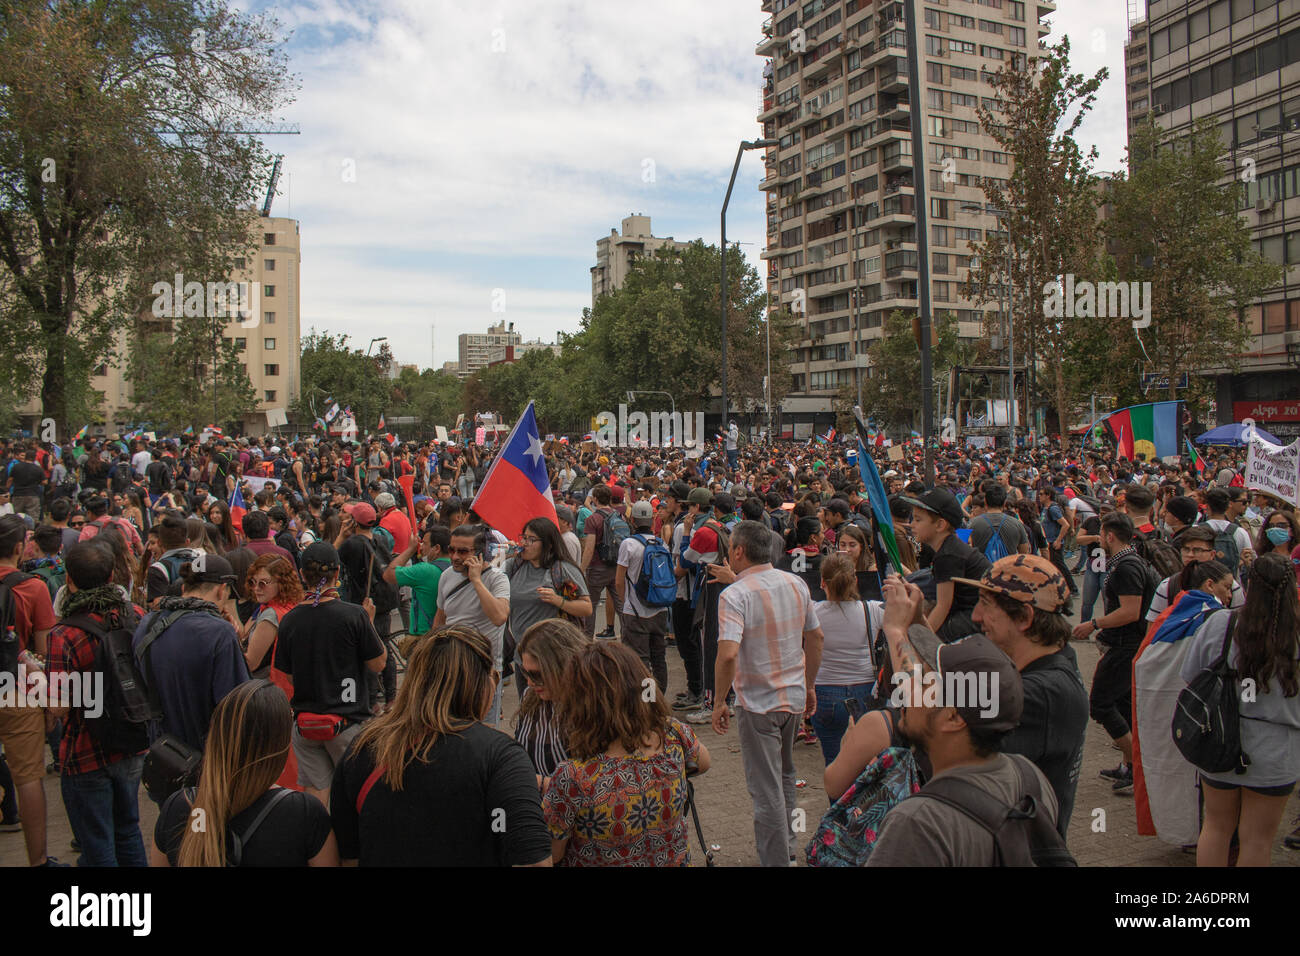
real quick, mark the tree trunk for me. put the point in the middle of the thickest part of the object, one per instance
(54, 384)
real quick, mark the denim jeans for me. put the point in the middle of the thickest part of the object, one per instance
(104, 810)
(832, 717)
(1091, 591)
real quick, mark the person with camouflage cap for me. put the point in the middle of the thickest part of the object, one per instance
(1023, 603)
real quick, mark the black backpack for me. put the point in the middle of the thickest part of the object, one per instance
(1207, 717)
(235, 855)
(10, 646)
(1022, 835)
(381, 592)
(122, 726)
(1156, 550)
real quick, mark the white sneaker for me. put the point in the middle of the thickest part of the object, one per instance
(702, 716)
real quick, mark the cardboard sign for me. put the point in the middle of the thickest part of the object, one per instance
(894, 453)
(589, 446)
(1275, 469)
(480, 435)
(441, 432)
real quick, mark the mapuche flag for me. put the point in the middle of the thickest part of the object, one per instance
(876, 494)
(1197, 461)
(517, 488)
(1145, 429)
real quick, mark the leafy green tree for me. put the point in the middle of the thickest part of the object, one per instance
(1051, 205)
(170, 370)
(662, 331)
(1177, 227)
(890, 393)
(330, 369)
(431, 397)
(121, 163)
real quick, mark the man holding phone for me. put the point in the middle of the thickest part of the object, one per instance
(474, 593)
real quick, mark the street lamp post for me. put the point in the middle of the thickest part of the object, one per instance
(922, 238)
(382, 338)
(744, 145)
(1004, 216)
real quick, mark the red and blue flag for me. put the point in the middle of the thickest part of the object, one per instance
(517, 488)
(237, 510)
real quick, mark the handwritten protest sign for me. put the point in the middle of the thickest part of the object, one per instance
(1274, 469)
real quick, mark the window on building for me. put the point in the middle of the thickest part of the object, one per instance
(268, 291)
(240, 343)
(270, 370)
(1220, 15)
(101, 370)
(269, 238)
(269, 395)
(239, 262)
(268, 344)
(268, 318)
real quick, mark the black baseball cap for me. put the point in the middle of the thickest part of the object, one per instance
(939, 501)
(213, 569)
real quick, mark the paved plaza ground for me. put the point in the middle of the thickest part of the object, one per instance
(727, 814)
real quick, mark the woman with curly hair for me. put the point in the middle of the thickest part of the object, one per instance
(621, 798)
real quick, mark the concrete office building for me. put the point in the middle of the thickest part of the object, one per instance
(616, 253)
(1238, 61)
(841, 216)
(476, 348)
(272, 346)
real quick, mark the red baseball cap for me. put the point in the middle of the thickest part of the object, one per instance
(362, 514)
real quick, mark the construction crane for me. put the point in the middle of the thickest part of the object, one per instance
(268, 129)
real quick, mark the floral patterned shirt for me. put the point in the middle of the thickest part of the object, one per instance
(627, 810)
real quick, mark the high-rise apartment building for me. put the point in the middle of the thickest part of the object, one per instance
(1238, 61)
(268, 337)
(476, 348)
(616, 253)
(841, 216)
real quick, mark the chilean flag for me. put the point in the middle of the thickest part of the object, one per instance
(517, 488)
(237, 510)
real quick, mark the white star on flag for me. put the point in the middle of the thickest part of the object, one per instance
(534, 449)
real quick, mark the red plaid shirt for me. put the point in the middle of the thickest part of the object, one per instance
(72, 651)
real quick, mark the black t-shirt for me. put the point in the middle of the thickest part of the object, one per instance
(28, 478)
(1053, 724)
(159, 474)
(957, 559)
(1131, 575)
(811, 573)
(356, 556)
(474, 802)
(325, 649)
(293, 832)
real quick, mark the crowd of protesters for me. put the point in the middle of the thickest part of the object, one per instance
(292, 608)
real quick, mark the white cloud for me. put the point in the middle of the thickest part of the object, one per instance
(476, 169)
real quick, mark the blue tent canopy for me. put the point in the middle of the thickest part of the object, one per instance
(1232, 435)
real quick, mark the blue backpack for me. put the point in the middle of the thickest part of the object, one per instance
(655, 586)
(996, 548)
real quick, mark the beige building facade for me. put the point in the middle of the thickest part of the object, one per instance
(269, 337)
(477, 348)
(618, 252)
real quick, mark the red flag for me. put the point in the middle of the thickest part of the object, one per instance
(408, 488)
(237, 510)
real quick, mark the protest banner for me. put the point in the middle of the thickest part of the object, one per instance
(1274, 469)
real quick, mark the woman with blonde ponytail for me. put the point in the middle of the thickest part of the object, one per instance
(237, 816)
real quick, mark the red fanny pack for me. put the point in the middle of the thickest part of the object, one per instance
(321, 726)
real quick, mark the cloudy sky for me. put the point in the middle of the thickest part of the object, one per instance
(457, 155)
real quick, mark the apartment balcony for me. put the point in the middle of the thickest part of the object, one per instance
(769, 6)
(895, 80)
(895, 108)
(767, 46)
(897, 160)
(887, 130)
(822, 65)
(770, 252)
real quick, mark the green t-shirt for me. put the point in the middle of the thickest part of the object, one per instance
(422, 579)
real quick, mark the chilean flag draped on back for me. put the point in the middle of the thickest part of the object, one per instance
(517, 488)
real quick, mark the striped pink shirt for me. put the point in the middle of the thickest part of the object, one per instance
(766, 612)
